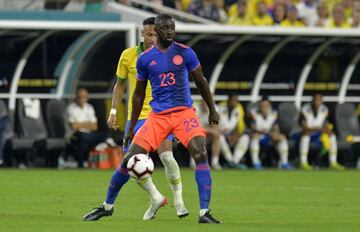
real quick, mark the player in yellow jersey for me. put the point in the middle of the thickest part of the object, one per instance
(126, 70)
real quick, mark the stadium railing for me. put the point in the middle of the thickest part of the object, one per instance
(223, 50)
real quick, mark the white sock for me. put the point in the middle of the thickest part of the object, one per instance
(203, 212)
(241, 148)
(225, 149)
(283, 150)
(215, 160)
(172, 172)
(108, 206)
(150, 188)
(333, 149)
(255, 150)
(304, 149)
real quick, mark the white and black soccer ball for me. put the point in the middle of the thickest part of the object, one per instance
(140, 166)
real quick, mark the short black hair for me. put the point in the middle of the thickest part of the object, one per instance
(163, 17)
(265, 98)
(149, 21)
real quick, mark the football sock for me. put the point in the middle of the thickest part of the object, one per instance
(150, 188)
(214, 160)
(215, 151)
(241, 148)
(304, 148)
(333, 150)
(119, 178)
(203, 180)
(254, 150)
(172, 172)
(225, 149)
(283, 150)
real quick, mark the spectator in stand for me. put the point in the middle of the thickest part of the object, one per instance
(308, 11)
(262, 18)
(323, 14)
(241, 17)
(252, 6)
(292, 19)
(221, 10)
(338, 18)
(205, 9)
(355, 20)
(279, 13)
(348, 8)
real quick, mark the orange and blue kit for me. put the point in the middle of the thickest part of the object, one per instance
(172, 110)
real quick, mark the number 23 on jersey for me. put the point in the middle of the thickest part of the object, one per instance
(167, 79)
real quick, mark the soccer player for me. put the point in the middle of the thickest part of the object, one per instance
(127, 70)
(264, 129)
(166, 65)
(315, 128)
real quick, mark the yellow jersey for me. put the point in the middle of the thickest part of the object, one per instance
(126, 69)
(288, 23)
(266, 20)
(234, 20)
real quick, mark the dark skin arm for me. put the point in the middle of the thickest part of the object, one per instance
(203, 86)
(117, 95)
(137, 105)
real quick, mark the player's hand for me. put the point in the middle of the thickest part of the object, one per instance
(128, 137)
(214, 118)
(111, 122)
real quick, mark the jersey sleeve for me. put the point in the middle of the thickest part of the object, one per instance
(122, 68)
(142, 74)
(192, 62)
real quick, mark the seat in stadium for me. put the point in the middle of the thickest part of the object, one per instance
(288, 118)
(347, 124)
(13, 143)
(56, 119)
(34, 128)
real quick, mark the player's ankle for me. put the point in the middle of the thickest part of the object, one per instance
(108, 207)
(203, 212)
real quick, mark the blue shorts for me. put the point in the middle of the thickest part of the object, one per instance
(314, 138)
(265, 140)
(138, 125)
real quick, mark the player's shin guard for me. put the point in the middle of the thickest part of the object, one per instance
(254, 151)
(172, 172)
(304, 149)
(204, 183)
(241, 147)
(150, 188)
(283, 150)
(119, 178)
(225, 149)
(333, 149)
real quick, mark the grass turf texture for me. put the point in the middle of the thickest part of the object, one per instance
(52, 200)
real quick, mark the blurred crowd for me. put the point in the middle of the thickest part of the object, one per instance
(285, 13)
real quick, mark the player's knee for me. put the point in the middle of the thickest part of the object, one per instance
(125, 160)
(199, 154)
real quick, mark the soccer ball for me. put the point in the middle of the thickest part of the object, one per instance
(140, 166)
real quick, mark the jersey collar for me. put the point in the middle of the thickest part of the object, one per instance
(139, 48)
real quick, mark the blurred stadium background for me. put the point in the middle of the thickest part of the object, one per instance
(50, 48)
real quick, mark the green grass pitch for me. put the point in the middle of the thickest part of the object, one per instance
(53, 200)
